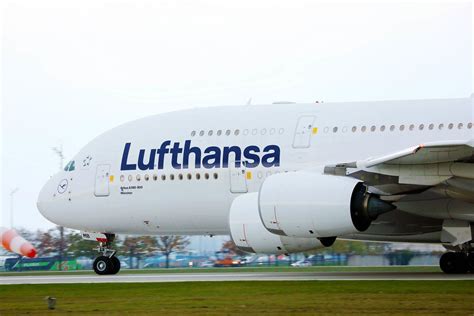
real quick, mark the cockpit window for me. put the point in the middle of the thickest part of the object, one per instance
(70, 166)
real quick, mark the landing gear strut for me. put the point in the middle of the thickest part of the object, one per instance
(107, 262)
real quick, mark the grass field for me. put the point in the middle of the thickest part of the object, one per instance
(250, 269)
(225, 298)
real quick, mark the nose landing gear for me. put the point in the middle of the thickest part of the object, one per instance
(107, 263)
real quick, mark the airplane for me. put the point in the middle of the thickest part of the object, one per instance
(279, 178)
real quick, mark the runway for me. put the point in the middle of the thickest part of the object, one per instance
(231, 276)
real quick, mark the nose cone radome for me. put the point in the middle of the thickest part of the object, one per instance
(44, 200)
(51, 199)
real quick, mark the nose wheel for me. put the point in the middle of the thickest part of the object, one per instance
(457, 262)
(107, 262)
(104, 265)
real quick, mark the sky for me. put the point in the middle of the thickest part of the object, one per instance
(71, 70)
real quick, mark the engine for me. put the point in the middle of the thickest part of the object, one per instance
(309, 204)
(250, 235)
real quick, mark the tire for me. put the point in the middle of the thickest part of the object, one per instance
(102, 265)
(454, 262)
(461, 263)
(470, 262)
(115, 265)
(447, 262)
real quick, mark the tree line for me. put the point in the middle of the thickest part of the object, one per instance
(49, 243)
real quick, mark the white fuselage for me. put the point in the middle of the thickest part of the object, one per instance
(98, 196)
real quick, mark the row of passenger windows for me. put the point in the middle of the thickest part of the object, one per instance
(335, 129)
(402, 127)
(171, 177)
(237, 132)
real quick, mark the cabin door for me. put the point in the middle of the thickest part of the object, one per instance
(102, 180)
(304, 129)
(238, 181)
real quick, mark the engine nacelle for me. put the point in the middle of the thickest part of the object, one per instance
(250, 235)
(309, 204)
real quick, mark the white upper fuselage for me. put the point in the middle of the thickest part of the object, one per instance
(98, 195)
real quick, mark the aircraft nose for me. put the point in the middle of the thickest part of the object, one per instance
(50, 199)
(44, 199)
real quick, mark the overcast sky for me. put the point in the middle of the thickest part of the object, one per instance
(74, 69)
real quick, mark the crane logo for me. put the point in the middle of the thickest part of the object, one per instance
(62, 186)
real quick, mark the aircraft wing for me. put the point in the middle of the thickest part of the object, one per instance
(428, 183)
(424, 165)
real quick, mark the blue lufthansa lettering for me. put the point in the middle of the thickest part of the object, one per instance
(211, 157)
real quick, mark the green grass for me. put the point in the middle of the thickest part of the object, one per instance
(248, 269)
(225, 298)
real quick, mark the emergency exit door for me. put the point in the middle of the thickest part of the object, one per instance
(102, 180)
(303, 131)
